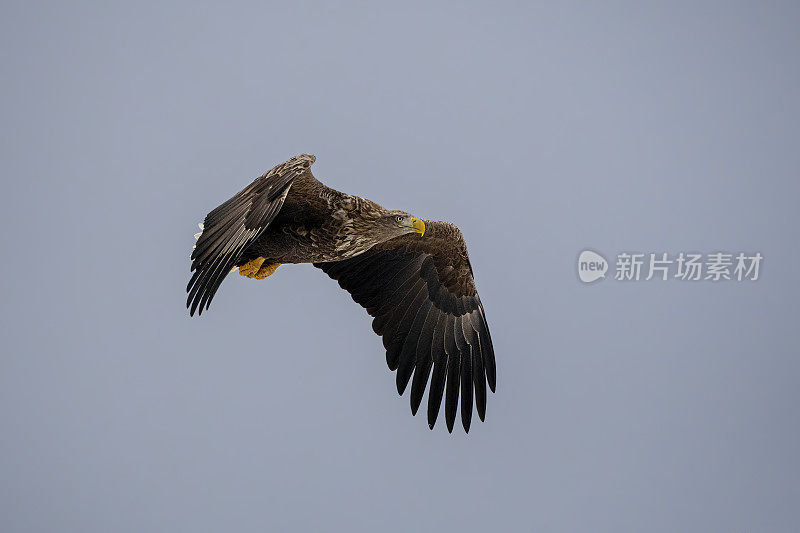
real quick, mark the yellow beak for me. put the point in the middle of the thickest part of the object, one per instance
(418, 225)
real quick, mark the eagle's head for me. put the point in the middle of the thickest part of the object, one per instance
(367, 229)
(391, 224)
(372, 224)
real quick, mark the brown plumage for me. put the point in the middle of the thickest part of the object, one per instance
(413, 276)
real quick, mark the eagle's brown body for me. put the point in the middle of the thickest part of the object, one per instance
(316, 224)
(414, 277)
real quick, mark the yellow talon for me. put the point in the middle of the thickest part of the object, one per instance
(250, 269)
(257, 269)
(267, 270)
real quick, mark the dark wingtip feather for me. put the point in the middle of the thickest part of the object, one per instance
(417, 319)
(439, 373)
(466, 389)
(421, 374)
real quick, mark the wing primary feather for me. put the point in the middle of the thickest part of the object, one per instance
(405, 366)
(439, 358)
(217, 272)
(488, 350)
(217, 268)
(466, 389)
(478, 374)
(423, 361)
(395, 335)
(466, 384)
(452, 386)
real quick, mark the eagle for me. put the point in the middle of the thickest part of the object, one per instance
(413, 276)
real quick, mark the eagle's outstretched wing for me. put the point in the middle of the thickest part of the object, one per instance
(234, 225)
(422, 294)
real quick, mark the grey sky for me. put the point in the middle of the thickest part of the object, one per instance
(539, 129)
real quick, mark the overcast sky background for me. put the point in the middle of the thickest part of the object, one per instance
(540, 130)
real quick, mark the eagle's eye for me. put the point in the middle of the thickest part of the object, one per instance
(399, 218)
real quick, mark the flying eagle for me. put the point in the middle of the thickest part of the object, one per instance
(413, 276)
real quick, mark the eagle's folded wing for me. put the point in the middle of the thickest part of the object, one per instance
(234, 225)
(422, 294)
